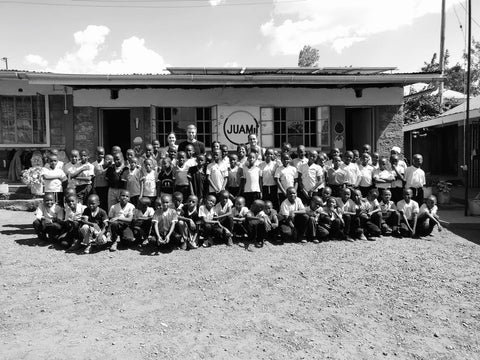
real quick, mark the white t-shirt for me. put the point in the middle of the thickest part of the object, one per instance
(352, 173)
(425, 209)
(348, 206)
(385, 175)
(287, 176)
(205, 214)
(148, 213)
(287, 208)
(53, 185)
(268, 173)
(240, 214)
(221, 210)
(74, 215)
(366, 175)
(252, 178)
(415, 177)
(408, 209)
(150, 183)
(217, 174)
(117, 211)
(310, 174)
(299, 162)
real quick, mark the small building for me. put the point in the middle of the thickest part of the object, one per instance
(441, 141)
(318, 107)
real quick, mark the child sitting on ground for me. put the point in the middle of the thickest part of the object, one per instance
(408, 210)
(390, 217)
(315, 231)
(239, 213)
(142, 220)
(121, 215)
(255, 224)
(223, 211)
(368, 213)
(190, 219)
(93, 226)
(211, 227)
(48, 220)
(73, 215)
(272, 223)
(293, 224)
(332, 220)
(428, 217)
(164, 221)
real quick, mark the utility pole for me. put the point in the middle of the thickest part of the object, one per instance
(466, 130)
(441, 60)
(6, 62)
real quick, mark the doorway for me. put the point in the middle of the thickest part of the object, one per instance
(359, 128)
(116, 129)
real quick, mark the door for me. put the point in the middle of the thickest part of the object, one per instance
(359, 128)
(116, 129)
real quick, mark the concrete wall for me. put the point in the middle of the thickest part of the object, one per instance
(85, 129)
(389, 123)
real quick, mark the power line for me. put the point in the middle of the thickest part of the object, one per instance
(116, 5)
(475, 21)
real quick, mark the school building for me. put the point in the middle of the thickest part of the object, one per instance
(318, 107)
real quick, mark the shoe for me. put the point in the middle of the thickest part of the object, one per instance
(87, 249)
(316, 241)
(207, 243)
(64, 243)
(113, 247)
(184, 245)
(191, 245)
(145, 243)
(303, 241)
(371, 238)
(362, 237)
(397, 234)
(62, 236)
(349, 239)
(230, 241)
(74, 247)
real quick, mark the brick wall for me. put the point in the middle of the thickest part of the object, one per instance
(59, 121)
(85, 129)
(389, 128)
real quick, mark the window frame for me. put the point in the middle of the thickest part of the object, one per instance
(46, 144)
(282, 122)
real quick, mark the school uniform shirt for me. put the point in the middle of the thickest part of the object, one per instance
(268, 173)
(88, 172)
(352, 173)
(199, 180)
(385, 175)
(114, 177)
(99, 172)
(414, 177)
(181, 175)
(53, 185)
(190, 214)
(191, 162)
(297, 162)
(408, 209)
(310, 174)
(385, 207)
(401, 170)
(206, 214)
(366, 175)
(166, 181)
(142, 162)
(132, 178)
(217, 173)
(336, 176)
(165, 219)
(150, 183)
(313, 213)
(424, 209)
(220, 209)
(286, 175)
(286, 208)
(99, 216)
(348, 206)
(54, 212)
(117, 211)
(372, 205)
(69, 169)
(252, 178)
(148, 213)
(74, 215)
(240, 213)
(234, 176)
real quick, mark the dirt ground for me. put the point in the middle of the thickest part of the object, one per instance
(390, 299)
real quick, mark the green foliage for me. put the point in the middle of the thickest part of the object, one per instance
(420, 108)
(308, 57)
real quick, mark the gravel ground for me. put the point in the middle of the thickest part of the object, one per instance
(390, 299)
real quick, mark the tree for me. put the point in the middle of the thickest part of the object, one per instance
(308, 57)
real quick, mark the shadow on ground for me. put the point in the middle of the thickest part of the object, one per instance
(19, 229)
(471, 232)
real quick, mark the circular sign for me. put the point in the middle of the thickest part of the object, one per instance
(238, 125)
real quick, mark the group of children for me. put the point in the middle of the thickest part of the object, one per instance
(188, 200)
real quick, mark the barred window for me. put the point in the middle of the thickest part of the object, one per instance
(176, 120)
(23, 120)
(298, 126)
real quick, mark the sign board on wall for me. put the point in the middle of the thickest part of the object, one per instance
(235, 123)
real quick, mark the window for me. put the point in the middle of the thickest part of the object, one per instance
(172, 119)
(298, 126)
(23, 121)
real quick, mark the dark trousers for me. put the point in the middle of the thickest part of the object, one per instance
(336, 190)
(83, 192)
(417, 195)
(141, 228)
(102, 192)
(425, 225)
(270, 193)
(71, 228)
(335, 228)
(397, 194)
(122, 230)
(365, 189)
(371, 224)
(255, 229)
(404, 230)
(250, 197)
(214, 232)
(391, 220)
(184, 189)
(44, 229)
(298, 230)
(315, 230)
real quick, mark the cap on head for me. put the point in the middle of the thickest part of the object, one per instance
(137, 141)
(396, 149)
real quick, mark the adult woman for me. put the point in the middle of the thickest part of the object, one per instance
(253, 145)
(171, 140)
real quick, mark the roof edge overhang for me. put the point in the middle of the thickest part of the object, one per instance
(80, 80)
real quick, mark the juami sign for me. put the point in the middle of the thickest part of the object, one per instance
(238, 125)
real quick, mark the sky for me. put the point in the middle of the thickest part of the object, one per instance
(126, 36)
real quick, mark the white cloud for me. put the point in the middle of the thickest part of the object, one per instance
(339, 23)
(35, 61)
(134, 56)
(216, 2)
(231, 64)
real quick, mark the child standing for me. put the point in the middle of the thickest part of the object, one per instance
(269, 185)
(100, 183)
(180, 174)
(311, 178)
(415, 178)
(217, 174)
(366, 174)
(149, 181)
(53, 178)
(336, 176)
(114, 179)
(234, 176)
(197, 178)
(251, 184)
(286, 176)
(131, 176)
(382, 176)
(166, 178)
